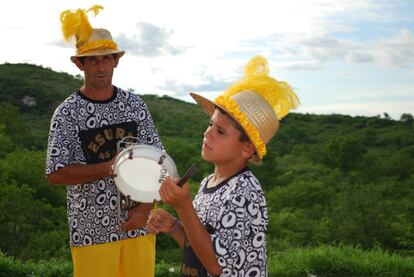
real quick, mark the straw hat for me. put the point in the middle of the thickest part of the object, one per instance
(257, 102)
(89, 41)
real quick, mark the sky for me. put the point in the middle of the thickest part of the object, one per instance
(341, 57)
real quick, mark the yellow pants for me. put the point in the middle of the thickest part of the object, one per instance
(129, 258)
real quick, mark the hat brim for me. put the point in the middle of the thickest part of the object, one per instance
(209, 106)
(98, 52)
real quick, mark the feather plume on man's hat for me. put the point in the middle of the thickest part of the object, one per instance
(89, 41)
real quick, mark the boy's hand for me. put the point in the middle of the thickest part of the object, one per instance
(160, 220)
(175, 196)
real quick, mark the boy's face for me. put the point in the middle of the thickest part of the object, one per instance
(221, 143)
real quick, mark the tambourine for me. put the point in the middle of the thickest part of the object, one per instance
(138, 171)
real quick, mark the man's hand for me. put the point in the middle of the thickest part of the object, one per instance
(137, 217)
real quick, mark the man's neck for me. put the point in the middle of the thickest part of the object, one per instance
(97, 94)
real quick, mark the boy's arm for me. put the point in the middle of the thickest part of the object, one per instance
(161, 221)
(199, 239)
(196, 234)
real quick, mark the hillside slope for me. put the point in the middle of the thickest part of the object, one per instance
(328, 179)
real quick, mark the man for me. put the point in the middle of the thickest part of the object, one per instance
(84, 131)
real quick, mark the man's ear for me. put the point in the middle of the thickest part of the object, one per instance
(78, 63)
(116, 59)
(248, 150)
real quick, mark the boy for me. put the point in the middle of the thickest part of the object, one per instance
(222, 232)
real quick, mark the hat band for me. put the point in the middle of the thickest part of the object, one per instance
(92, 45)
(232, 107)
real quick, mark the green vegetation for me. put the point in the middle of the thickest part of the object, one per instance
(327, 261)
(342, 261)
(339, 188)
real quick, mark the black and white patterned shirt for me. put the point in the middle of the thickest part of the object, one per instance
(235, 214)
(85, 131)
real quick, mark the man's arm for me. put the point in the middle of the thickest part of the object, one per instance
(74, 174)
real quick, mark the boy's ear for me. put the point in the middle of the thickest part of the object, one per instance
(248, 150)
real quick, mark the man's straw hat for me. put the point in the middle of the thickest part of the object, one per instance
(89, 41)
(257, 102)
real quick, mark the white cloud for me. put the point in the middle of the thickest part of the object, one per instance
(148, 40)
(301, 65)
(346, 74)
(210, 84)
(396, 51)
(359, 56)
(393, 108)
(177, 46)
(397, 92)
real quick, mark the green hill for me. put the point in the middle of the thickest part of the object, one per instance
(35, 89)
(329, 179)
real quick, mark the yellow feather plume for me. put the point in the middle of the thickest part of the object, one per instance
(76, 23)
(278, 94)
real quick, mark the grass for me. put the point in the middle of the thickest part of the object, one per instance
(322, 261)
(339, 261)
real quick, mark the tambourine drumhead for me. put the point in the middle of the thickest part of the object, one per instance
(141, 176)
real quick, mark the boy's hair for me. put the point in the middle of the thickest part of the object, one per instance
(243, 136)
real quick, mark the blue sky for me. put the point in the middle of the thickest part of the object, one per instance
(346, 57)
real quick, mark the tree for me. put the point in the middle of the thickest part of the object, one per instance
(25, 167)
(29, 227)
(406, 117)
(345, 153)
(13, 123)
(6, 144)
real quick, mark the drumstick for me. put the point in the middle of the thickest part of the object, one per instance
(187, 175)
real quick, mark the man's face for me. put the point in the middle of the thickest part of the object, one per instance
(98, 70)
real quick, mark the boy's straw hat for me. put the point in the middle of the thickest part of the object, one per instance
(89, 41)
(257, 102)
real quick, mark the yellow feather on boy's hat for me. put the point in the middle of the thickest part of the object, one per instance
(89, 41)
(257, 102)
